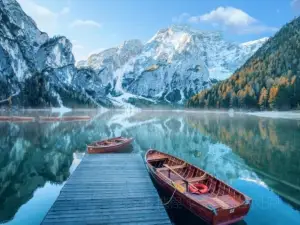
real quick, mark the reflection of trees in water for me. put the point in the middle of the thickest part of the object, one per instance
(32, 154)
(170, 133)
(271, 146)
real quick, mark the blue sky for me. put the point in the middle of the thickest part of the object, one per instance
(93, 25)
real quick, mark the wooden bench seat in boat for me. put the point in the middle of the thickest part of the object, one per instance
(166, 168)
(229, 200)
(158, 158)
(195, 179)
(216, 202)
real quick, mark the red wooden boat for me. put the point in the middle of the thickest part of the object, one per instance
(49, 118)
(110, 145)
(201, 193)
(75, 118)
(5, 118)
(22, 119)
(16, 118)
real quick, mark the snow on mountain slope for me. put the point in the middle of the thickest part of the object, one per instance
(176, 63)
(19, 43)
(256, 43)
(223, 57)
(39, 71)
(170, 67)
(173, 65)
(110, 60)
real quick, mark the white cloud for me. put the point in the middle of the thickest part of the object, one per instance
(232, 20)
(46, 19)
(295, 4)
(227, 16)
(85, 23)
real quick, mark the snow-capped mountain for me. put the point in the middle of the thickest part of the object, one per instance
(112, 59)
(38, 71)
(19, 42)
(176, 63)
(173, 65)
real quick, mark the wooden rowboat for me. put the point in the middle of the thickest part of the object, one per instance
(5, 118)
(75, 118)
(110, 145)
(201, 193)
(49, 118)
(22, 119)
(16, 118)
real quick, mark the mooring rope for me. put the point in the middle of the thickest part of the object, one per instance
(9, 98)
(6, 100)
(168, 202)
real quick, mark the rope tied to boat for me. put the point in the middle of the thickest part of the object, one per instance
(168, 202)
(9, 99)
(213, 209)
(246, 202)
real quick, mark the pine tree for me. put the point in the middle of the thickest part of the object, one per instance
(270, 79)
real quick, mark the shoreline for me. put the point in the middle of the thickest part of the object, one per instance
(277, 114)
(293, 114)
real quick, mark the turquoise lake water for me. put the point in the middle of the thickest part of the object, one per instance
(258, 156)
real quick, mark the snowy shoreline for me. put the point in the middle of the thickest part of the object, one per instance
(277, 115)
(295, 114)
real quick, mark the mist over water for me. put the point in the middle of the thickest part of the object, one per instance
(258, 156)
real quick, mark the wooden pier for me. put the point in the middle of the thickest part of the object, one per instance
(108, 189)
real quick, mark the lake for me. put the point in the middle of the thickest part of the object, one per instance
(258, 156)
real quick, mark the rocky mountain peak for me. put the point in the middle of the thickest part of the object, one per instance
(55, 53)
(36, 70)
(173, 65)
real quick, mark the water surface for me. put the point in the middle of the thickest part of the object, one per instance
(258, 156)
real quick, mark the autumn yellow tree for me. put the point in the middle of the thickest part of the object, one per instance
(272, 96)
(263, 98)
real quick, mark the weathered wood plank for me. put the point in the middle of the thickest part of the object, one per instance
(108, 189)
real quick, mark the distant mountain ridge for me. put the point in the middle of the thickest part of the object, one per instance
(270, 79)
(174, 64)
(178, 62)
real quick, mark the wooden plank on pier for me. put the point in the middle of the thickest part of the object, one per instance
(108, 189)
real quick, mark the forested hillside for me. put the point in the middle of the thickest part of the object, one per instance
(270, 79)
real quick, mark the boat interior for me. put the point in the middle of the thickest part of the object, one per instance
(110, 142)
(186, 178)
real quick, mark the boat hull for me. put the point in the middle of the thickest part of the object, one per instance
(207, 215)
(5, 118)
(49, 119)
(16, 118)
(110, 149)
(75, 118)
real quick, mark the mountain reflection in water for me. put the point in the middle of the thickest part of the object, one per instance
(259, 157)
